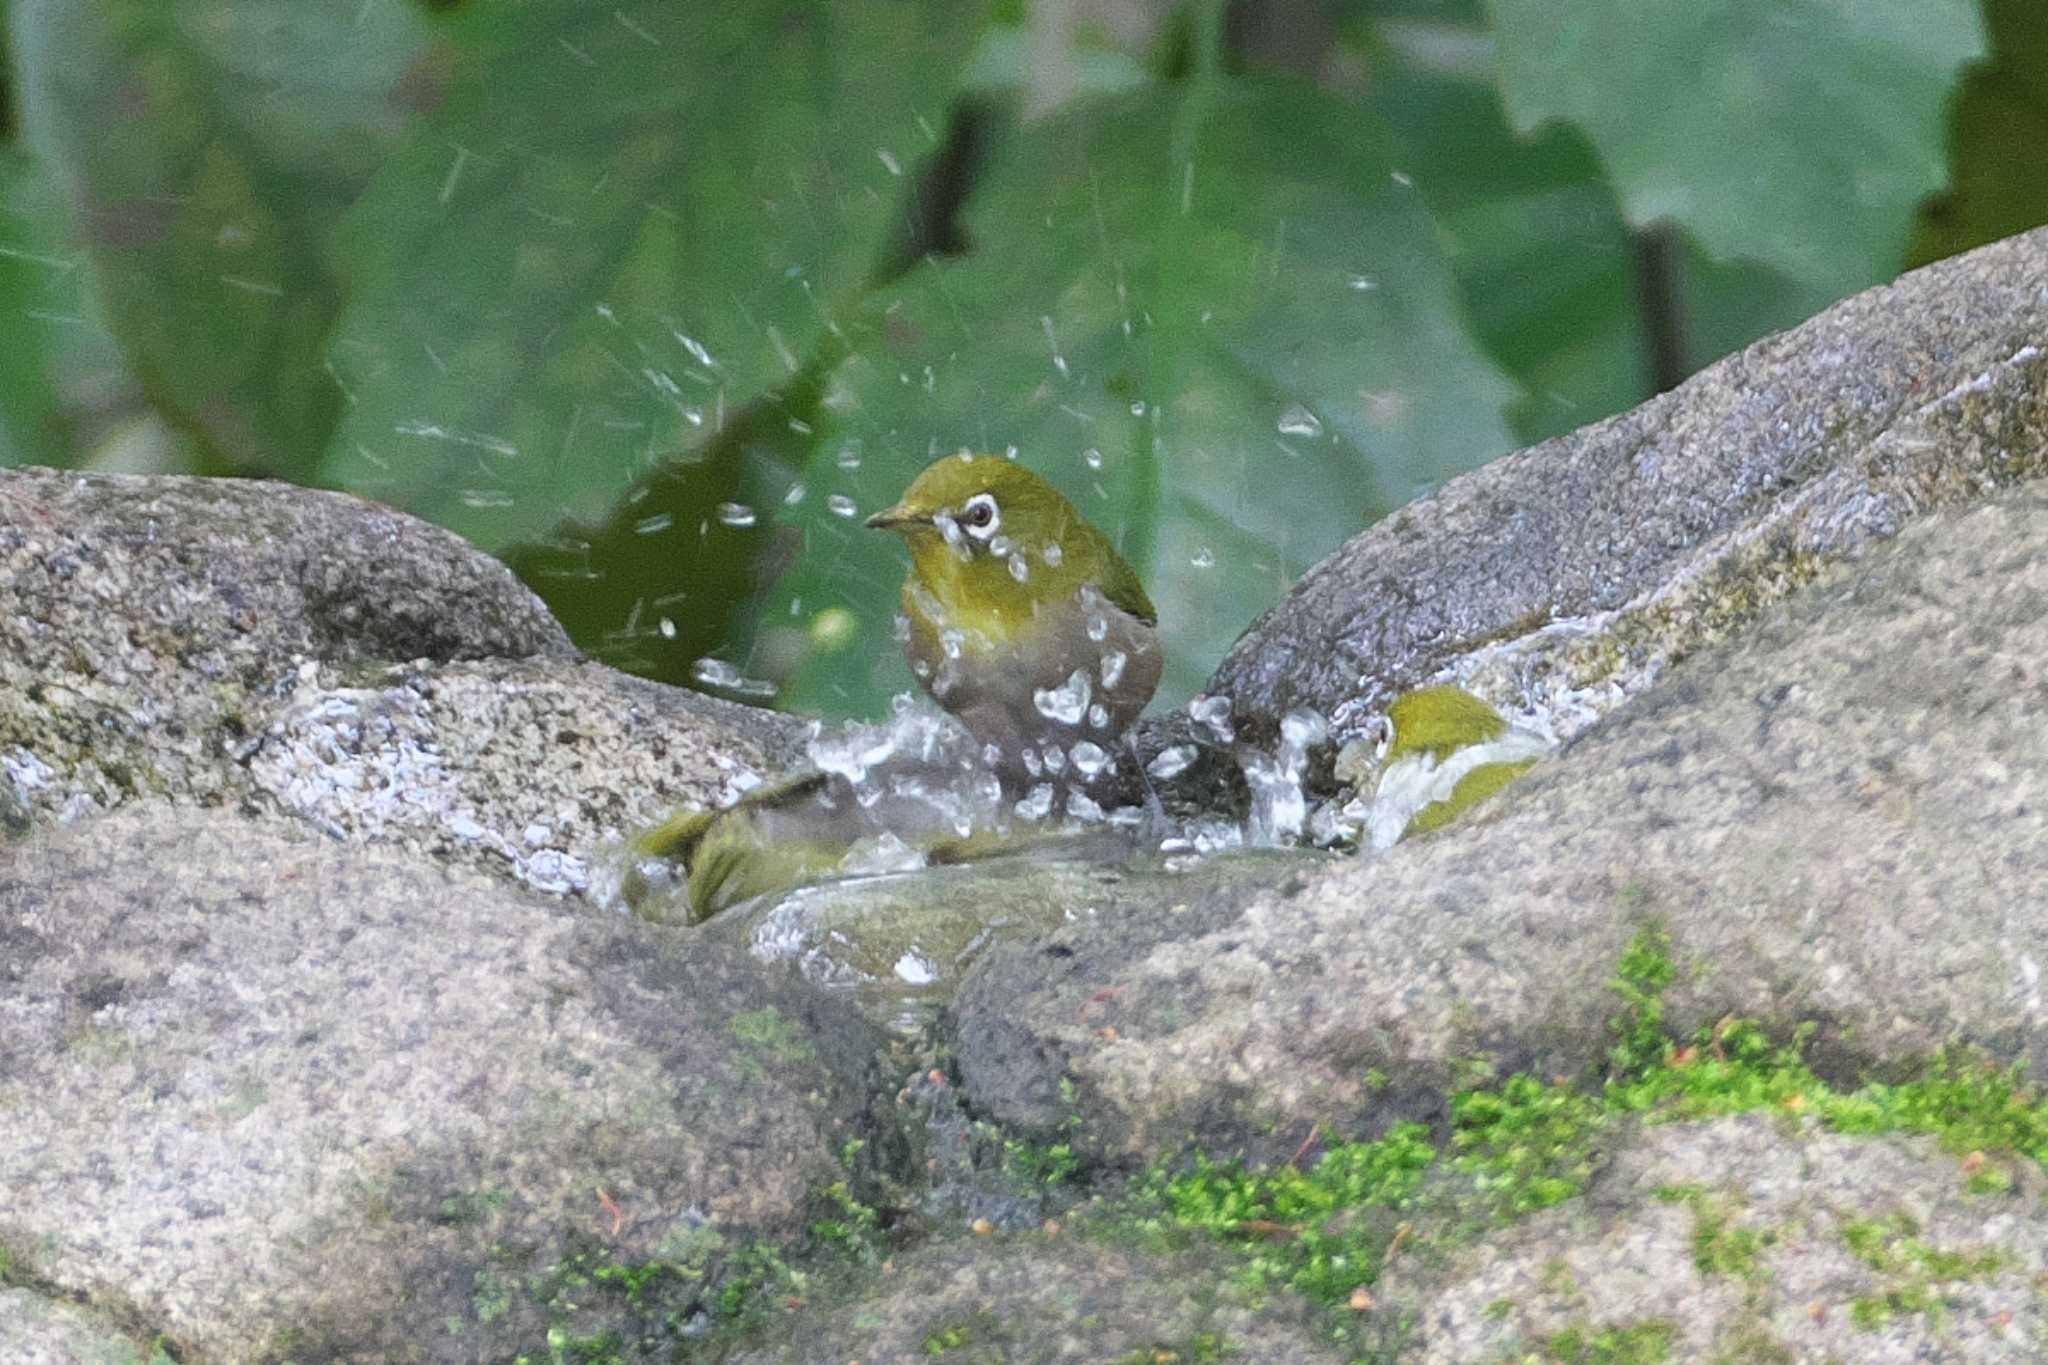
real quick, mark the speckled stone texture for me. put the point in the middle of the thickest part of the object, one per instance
(301, 1099)
(217, 642)
(1841, 818)
(1809, 444)
(1747, 1239)
(1031, 1299)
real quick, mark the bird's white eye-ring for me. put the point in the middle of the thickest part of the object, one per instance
(979, 518)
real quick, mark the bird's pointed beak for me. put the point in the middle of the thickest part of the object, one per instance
(896, 518)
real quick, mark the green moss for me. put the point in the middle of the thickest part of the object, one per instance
(1526, 1145)
(1642, 1343)
(947, 1339)
(1721, 1248)
(1912, 1269)
(1198, 1349)
(1287, 1221)
(768, 1031)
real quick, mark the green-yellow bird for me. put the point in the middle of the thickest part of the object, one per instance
(1024, 621)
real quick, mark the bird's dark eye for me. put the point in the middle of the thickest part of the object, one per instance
(979, 513)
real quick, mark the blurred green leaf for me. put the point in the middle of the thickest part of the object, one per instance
(209, 149)
(1999, 144)
(1802, 136)
(1531, 227)
(1545, 262)
(622, 223)
(1214, 315)
(58, 365)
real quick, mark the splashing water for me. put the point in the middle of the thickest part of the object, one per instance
(1066, 703)
(1089, 759)
(1037, 805)
(736, 514)
(1279, 806)
(1299, 421)
(1212, 713)
(1171, 762)
(727, 678)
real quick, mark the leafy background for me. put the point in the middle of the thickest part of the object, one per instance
(657, 300)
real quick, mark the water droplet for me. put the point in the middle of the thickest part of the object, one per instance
(1052, 555)
(950, 641)
(735, 514)
(1038, 805)
(1055, 758)
(1020, 568)
(1092, 458)
(1098, 628)
(1172, 761)
(1113, 667)
(900, 628)
(1363, 283)
(667, 628)
(695, 348)
(1204, 558)
(1213, 714)
(1299, 421)
(841, 505)
(848, 457)
(1402, 178)
(1138, 408)
(1032, 763)
(1066, 703)
(1000, 546)
(724, 676)
(1098, 716)
(654, 525)
(1089, 758)
(794, 496)
(1301, 729)
(992, 754)
(889, 161)
(1082, 807)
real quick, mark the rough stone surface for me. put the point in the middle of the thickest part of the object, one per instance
(1747, 1239)
(1843, 819)
(37, 1330)
(532, 768)
(298, 1095)
(214, 642)
(1631, 541)
(1037, 1300)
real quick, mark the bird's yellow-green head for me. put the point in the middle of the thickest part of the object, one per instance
(992, 541)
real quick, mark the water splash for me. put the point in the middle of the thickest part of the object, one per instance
(1279, 805)
(1171, 762)
(1299, 421)
(1067, 703)
(1212, 713)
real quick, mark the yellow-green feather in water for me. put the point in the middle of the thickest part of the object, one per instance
(1431, 725)
(1441, 720)
(1482, 782)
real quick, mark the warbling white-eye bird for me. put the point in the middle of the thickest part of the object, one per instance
(1024, 621)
